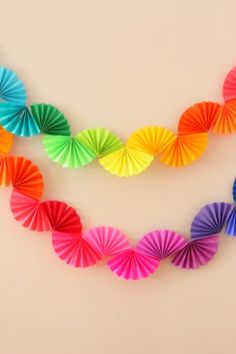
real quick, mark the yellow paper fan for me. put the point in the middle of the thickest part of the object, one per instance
(184, 149)
(151, 140)
(126, 162)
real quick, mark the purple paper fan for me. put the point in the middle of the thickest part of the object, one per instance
(231, 224)
(196, 252)
(210, 220)
(161, 243)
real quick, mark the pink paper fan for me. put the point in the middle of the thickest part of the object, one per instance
(107, 241)
(29, 212)
(133, 265)
(161, 243)
(196, 252)
(229, 87)
(62, 217)
(73, 249)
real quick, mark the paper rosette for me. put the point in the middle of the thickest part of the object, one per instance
(225, 121)
(211, 219)
(126, 162)
(107, 241)
(229, 86)
(11, 87)
(6, 140)
(100, 141)
(196, 252)
(161, 243)
(67, 151)
(73, 249)
(50, 120)
(133, 265)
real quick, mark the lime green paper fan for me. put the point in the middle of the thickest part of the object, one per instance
(50, 120)
(67, 151)
(100, 140)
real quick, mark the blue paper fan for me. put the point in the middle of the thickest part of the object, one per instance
(18, 120)
(231, 224)
(234, 190)
(12, 89)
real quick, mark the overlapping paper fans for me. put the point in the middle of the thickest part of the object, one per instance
(116, 157)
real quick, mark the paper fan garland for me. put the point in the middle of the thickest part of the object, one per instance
(12, 89)
(229, 86)
(50, 120)
(107, 241)
(196, 252)
(67, 151)
(133, 265)
(161, 243)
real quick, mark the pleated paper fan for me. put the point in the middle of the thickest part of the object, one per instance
(61, 217)
(107, 241)
(18, 120)
(198, 118)
(229, 86)
(225, 122)
(211, 219)
(67, 151)
(231, 224)
(161, 243)
(12, 89)
(151, 140)
(184, 149)
(234, 190)
(100, 141)
(5, 178)
(74, 250)
(25, 177)
(50, 120)
(6, 140)
(28, 212)
(126, 162)
(196, 253)
(133, 265)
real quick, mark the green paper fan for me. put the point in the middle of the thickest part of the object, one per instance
(50, 120)
(67, 151)
(100, 140)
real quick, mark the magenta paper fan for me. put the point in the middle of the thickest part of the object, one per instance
(161, 243)
(196, 252)
(133, 265)
(29, 212)
(73, 249)
(211, 219)
(229, 87)
(107, 241)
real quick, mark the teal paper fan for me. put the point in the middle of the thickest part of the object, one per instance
(100, 140)
(67, 151)
(50, 120)
(12, 89)
(18, 120)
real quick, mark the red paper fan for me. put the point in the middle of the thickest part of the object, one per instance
(62, 217)
(229, 87)
(133, 265)
(29, 212)
(74, 250)
(107, 241)
(196, 252)
(198, 118)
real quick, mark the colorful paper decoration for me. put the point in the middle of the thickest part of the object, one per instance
(70, 242)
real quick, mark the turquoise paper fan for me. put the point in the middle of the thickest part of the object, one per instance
(12, 89)
(18, 120)
(67, 151)
(50, 120)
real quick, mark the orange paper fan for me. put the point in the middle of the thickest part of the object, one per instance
(6, 140)
(5, 179)
(184, 149)
(225, 122)
(198, 118)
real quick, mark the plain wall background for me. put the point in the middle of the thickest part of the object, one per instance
(121, 65)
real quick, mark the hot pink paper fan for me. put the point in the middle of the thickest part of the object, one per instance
(133, 265)
(196, 252)
(73, 249)
(29, 212)
(107, 241)
(161, 243)
(229, 87)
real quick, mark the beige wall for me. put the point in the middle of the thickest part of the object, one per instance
(122, 65)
